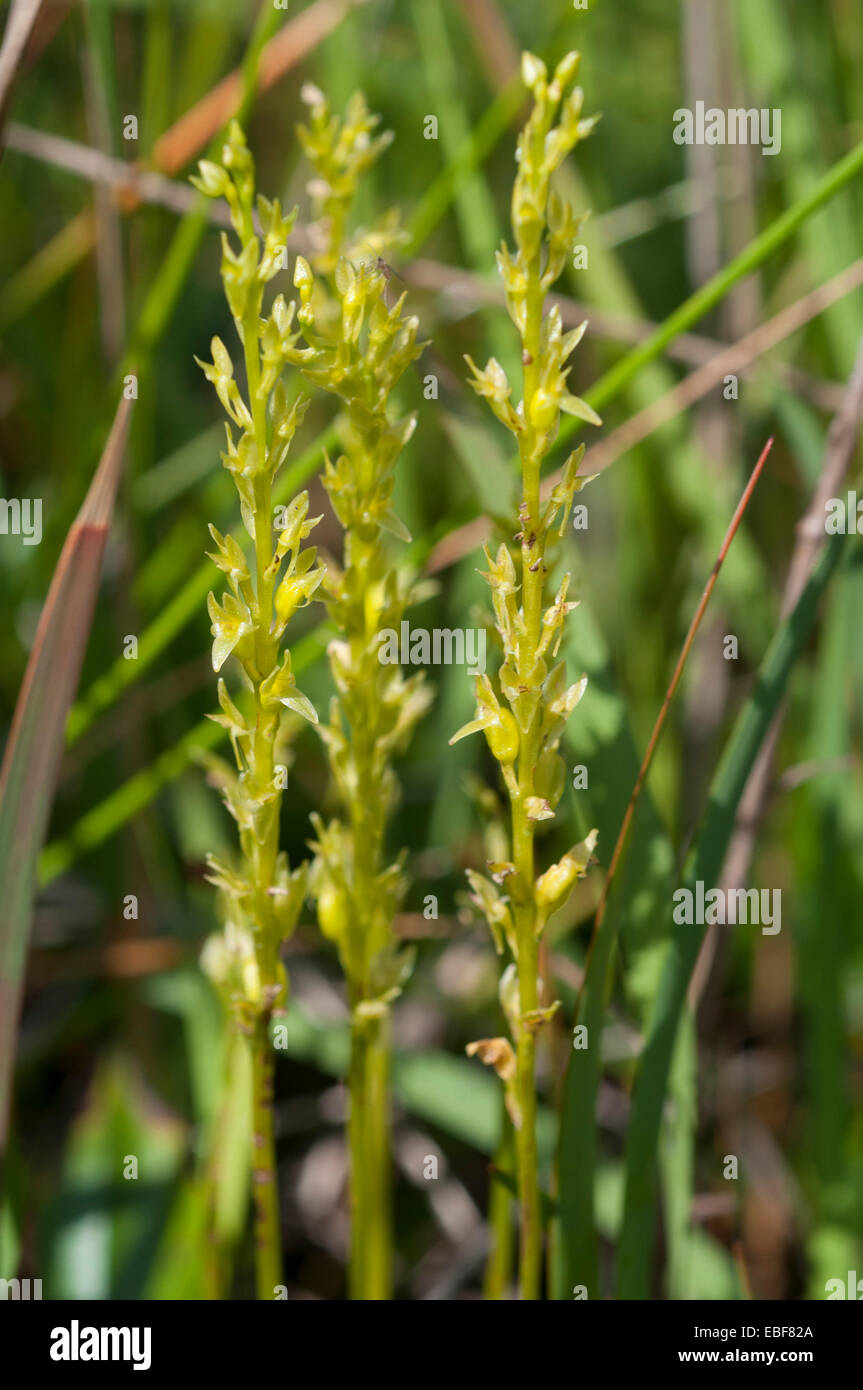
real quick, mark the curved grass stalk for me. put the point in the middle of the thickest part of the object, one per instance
(524, 712)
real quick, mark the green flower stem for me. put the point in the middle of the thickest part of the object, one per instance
(268, 1242)
(533, 571)
(378, 1252)
(525, 736)
(357, 1083)
(530, 1255)
(370, 1272)
(370, 1262)
(527, 1160)
(265, 835)
(499, 1265)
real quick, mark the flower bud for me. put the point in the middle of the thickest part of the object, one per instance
(544, 409)
(213, 181)
(567, 68)
(553, 887)
(533, 70)
(503, 737)
(334, 916)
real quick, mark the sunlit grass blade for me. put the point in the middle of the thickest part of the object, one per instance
(750, 258)
(50, 264)
(474, 205)
(438, 197)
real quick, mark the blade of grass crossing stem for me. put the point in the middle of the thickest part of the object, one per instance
(635, 1252)
(34, 748)
(577, 1259)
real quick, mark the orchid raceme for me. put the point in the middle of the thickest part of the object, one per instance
(260, 893)
(358, 893)
(362, 347)
(524, 711)
(340, 152)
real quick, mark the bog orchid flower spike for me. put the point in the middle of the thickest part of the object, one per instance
(261, 895)
(363, 346)
(524, 711)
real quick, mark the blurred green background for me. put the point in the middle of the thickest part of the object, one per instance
(122, 1049)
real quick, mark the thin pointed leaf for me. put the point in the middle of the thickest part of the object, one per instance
(35, 745)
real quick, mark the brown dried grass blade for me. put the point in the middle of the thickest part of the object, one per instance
(35, 745)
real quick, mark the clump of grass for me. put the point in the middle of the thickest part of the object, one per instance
(524, 710)
(261, 895)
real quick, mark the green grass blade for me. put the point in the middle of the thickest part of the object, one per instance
(474, 206)
(705, 863)
(433, 207)
(603, 740)
(760, 249)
